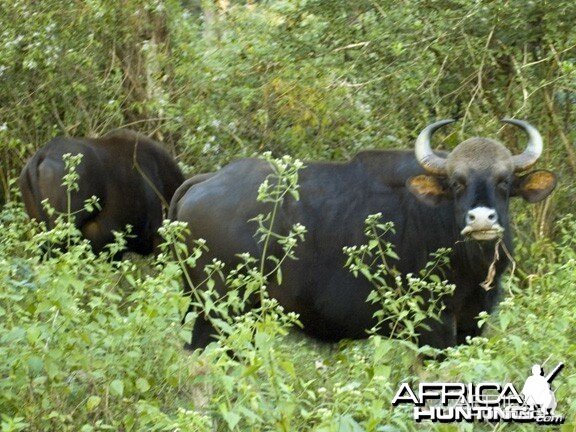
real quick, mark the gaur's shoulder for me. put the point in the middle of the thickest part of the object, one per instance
(247, 165)
(129, 136)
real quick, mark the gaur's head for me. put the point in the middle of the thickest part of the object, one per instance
(480, 175)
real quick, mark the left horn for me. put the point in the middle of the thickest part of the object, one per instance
(431, 162)
(533, 150)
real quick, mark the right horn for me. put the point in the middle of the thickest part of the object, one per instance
(430, 161)
(533, 150)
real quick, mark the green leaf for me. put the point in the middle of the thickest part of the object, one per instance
(504, 321)
(346, 423)
(142, 385)
(288, 366)
(32, 334)
(117, 388)
(36, 364)
(93, 402)
(231, 418)
(392, 254)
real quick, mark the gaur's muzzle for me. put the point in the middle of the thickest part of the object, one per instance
(482, 224)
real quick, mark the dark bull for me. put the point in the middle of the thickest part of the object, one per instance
(129, 173)
(434, 202)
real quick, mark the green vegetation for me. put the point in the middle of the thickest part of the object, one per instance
(87, 343)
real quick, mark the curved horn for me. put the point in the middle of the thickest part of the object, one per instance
(533, 150)
(426, 157)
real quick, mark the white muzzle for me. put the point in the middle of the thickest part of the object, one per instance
(482, 224)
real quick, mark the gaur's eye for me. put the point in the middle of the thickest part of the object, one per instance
(503, 184)
(458, 183)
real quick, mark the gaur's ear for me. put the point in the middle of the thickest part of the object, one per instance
(534, 186)
(428, 188)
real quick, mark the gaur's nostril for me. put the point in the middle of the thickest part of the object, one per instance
(481, 217)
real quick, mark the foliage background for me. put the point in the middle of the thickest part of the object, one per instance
(217, 80)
